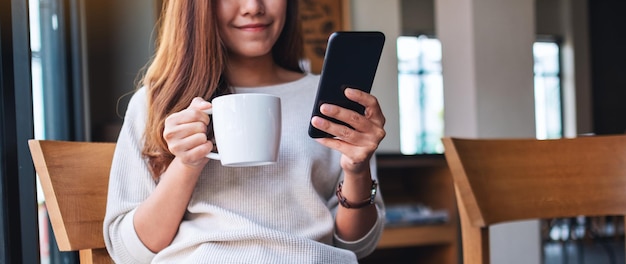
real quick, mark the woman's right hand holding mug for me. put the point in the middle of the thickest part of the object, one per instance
(185, 133)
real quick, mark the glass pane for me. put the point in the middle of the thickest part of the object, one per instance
(420, 84)
(35, 46)
(548, 110)
(548, 107)
(546, 58)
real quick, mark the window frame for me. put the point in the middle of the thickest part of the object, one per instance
(19, 235)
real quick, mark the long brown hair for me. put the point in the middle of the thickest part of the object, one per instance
(190, 61)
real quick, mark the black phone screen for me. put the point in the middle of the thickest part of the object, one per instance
(351, 60)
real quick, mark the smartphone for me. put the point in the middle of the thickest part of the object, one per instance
(351, 61)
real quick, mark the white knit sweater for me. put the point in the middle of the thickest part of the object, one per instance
(282, 213)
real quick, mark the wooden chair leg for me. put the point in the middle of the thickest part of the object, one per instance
(475, 239)
(624, 218)
(95, 256)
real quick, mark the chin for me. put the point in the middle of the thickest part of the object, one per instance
(254, 52)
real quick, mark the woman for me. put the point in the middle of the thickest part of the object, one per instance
(168, 203)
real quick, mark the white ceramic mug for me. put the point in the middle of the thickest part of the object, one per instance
(247, 129)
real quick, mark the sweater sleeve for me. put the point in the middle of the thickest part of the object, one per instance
(130, 183)
(367, 244)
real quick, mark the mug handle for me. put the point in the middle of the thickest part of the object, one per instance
(211, 155)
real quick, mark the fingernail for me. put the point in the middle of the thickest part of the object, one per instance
(317, 121)
(326, 108)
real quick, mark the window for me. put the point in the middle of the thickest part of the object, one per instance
(420, 84)
(56, 93)
(547, 90)
(420, 89)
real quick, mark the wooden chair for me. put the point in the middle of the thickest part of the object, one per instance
(75, 178)
(502, 180)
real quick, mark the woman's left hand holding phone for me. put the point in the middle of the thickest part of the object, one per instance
(357, 146)
(359, 143)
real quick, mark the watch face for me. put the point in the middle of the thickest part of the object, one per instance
(374, 190)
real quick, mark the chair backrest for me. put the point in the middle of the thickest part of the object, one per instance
(503, 180)
(74, 177)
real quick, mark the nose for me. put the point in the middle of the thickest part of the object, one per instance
(252, 7)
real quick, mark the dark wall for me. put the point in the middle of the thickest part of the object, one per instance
(607, 28)
(119, 36)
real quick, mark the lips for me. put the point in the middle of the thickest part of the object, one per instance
(253, 27)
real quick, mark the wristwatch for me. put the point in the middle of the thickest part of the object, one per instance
(351, 205)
